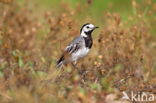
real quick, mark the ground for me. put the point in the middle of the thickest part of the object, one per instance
(33, 34)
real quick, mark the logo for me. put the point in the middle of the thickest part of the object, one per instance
(139, 96)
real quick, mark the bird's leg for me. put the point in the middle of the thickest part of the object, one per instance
(81, 73)
(74, 65)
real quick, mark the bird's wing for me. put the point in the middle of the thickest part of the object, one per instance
(75, 45)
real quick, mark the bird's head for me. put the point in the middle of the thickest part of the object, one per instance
(87, 29)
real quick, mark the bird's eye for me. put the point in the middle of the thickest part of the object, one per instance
(87, 27)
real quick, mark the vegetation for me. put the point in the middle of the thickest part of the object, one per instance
(33, 35)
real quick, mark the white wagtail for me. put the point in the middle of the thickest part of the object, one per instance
(79, 47)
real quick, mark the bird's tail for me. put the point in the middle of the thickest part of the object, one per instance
(60, 62)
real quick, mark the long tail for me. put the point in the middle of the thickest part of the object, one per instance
(60, 62)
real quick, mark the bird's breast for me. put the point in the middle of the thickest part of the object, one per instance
(80, 54)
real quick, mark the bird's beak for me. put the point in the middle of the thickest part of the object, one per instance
(96, 27)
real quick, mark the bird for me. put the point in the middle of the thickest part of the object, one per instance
(79, 47)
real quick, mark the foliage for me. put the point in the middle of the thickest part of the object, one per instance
(123, 56)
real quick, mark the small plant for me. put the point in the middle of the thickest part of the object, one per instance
(123, 57)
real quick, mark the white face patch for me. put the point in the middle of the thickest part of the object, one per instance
(87, 28)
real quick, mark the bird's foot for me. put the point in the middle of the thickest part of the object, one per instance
(80, 72)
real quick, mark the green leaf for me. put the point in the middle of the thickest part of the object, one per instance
(118, 67)
(20, 62)
(1, 74)
(3, 66)
(14, 53)
(95, 86)
(81, 90)
(41, 74)
(30, 63)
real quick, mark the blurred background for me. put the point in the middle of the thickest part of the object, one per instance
(33, 34)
